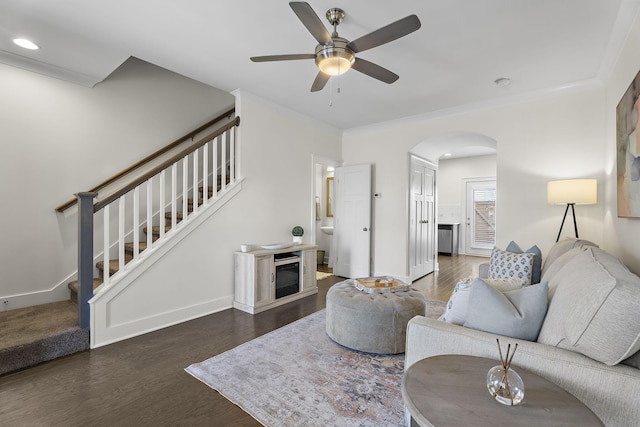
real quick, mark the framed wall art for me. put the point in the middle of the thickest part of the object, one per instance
(628, 151)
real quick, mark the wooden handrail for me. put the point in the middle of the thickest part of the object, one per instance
(156, 170)
(63, 207)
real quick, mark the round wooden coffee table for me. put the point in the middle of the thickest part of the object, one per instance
(452, 390)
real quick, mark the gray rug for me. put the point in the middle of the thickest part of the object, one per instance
(297, 376)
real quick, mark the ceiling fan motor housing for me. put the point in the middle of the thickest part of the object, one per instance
(335, 58)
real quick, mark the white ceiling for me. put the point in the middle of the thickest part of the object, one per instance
(453, 60)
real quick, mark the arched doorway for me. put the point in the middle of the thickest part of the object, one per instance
(462, 148)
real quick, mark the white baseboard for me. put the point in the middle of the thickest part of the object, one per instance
(104, 334)
(60, 292)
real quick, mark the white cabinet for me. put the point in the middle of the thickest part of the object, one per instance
(268, 278)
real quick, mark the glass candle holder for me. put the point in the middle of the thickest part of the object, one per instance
(506, 387)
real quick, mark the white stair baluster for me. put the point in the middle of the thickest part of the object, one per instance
(185, 187)
(105, 246)
(174, 194)
(205, 174)
(121, 231)
(232, 155)
(223, 162)
(136, 222)
(196, 196)
(214, 172)
(161, 211)
(149, 212)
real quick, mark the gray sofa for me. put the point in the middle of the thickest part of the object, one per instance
(589, 341)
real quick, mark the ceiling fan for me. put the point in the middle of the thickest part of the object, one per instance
(335, 55)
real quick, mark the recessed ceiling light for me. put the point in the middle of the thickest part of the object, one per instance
(26, 44)
(502, 81)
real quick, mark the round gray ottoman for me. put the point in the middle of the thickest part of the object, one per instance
(371, 322)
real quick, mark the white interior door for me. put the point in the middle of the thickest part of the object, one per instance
(422, 219)
(480, 217)
(352, 221)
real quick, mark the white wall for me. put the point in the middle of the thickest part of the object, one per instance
(621, 235)
(550, 137)
(196, 277)
(59, 138)
(277, 147)
(451, 172)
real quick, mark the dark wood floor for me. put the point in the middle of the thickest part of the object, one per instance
(142, 382)
(439, 285)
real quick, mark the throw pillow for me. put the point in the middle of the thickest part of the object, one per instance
(518, 313)
(537, 259)
(558, 265)
(561, 247)
(456, 309)
(594, 310)
(504, 265)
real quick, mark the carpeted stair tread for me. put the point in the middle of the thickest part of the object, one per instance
(156, 230)
(73, 287)
(114, 265)
(167, 217)
(33, 335)
(128, 247)
(219, 187)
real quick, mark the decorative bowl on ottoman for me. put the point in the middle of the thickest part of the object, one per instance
(373, 322)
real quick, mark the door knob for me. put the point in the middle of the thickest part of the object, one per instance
(365, 229)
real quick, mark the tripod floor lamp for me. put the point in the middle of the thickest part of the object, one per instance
(572, 192)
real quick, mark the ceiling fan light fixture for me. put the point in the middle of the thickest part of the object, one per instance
(335, 65)
(335, 59)
(335, 55)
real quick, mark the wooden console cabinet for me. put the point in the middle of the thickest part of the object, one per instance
(268, 278)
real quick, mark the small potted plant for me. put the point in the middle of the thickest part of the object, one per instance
(297, 233)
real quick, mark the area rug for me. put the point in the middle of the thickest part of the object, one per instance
(297, 376)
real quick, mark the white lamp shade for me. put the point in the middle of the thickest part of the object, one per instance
(579, 191)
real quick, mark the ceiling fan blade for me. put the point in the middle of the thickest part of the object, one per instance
(386, 34)
(282, 57)
(310, 20)
(320, 81)
(374, 70)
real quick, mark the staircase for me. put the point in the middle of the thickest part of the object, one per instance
(114, 264)
(183, 169)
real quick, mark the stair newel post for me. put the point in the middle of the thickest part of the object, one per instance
(85, 256)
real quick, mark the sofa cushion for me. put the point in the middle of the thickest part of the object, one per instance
(551, 272)
(560, 248)
(594, 310)
(634, 360)
(517, 313)
(504, 265)
(537, 259)
(456, 309)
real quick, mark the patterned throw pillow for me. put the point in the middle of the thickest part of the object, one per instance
(537, 259)
(504, 265)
